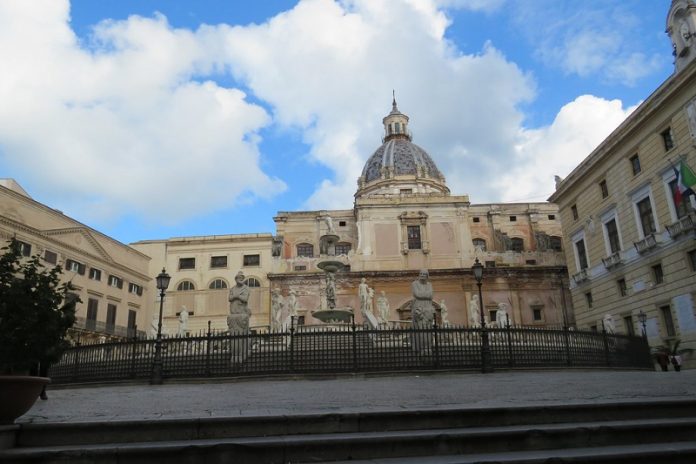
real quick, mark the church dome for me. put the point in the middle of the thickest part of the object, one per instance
(400, 166)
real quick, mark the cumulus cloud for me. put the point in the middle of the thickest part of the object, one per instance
(126, 121)
(555, 150)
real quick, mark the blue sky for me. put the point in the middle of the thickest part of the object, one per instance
(150, 119)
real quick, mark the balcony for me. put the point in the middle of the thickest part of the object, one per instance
(581, 276)
(100, 327)
(612, 260)
(682, 226)
(645, 245)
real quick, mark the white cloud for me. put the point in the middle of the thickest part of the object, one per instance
(473, 5)
(120, 126)
(555, 150)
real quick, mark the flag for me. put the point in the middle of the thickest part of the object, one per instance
(686, 182)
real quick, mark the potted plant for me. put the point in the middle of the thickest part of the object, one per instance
(36, 311)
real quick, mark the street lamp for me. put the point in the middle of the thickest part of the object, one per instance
(642, 317)
(477, 270)
(162, 283)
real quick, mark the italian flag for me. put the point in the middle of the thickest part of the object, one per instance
(686, 182)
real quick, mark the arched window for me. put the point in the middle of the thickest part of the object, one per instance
(342, 248)
(555, 243)
(185, 286)
(217, 284)
(479, 244)
(252, 282)
(517, 244)
(305, 249)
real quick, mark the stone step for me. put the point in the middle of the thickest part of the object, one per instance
(553, 439)
(38, 434)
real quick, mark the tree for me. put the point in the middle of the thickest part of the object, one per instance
(36, 311)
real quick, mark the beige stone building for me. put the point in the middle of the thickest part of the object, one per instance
(111, 279)
(202, 270)
(630, 248)
(405, 219)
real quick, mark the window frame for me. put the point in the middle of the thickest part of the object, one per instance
(251, 260)
(248, 281)
(213, 264)
(574, 211)
(97, 274)
(638, 197)
(621, 285)
(185, 283)
(657, 273)
(53, 254)
(636, 167)
(187, 260)
(604, 188)
(414, 241)
(517, 244)
(577, 238)
(668, 140)
(213, 285)
(340, 248)
(589, 300)
(115, 281)
(607, 218)
(304, 250)
(668, 322)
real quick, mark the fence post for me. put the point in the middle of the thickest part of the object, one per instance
(292, 344)
(511, 360)
(437, 347)
(207, 352)
(606, 344)
(134, 352)
(76, 365)
(566, 340)
(355, 345)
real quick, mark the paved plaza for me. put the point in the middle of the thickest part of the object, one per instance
(357, 393)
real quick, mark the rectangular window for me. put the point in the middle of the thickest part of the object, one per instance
(341, 223)
(628, 325)
(684, 206)
(621, 284)
(658, 276)
(476, 219)
(110, 317)
(635, 164)
(252, 260)
(305, 249)
(537, 314)
(342, 248)
(92, 310)
(666, 312)
(414, 237)
(645, 215)
(574, 210)
(613, 236)
(74, 266)
(300, 268)
(588, 299)
(187, 263)
(604, 189)
(667, 139)
(94, 274)
(217, 261)
(513, 218)
(50, 257)
(692, 259)
(582, 256)
(24, 248)
(116, 282)
(552, 217)
(135, 288)
(131, 323)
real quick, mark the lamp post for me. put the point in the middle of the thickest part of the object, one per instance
(477, 270)
(642, 317)
(162, 283)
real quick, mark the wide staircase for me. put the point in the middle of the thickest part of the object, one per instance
(629, 432)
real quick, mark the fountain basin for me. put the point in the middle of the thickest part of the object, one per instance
(334, 315)
(331, 266)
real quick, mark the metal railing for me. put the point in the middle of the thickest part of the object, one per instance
(350, 348)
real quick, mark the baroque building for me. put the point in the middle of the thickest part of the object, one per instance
(629, 244)
(111, 279)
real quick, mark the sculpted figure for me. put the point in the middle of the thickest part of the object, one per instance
(329, 225)
(183, 321)
(608, 322)
(276, 310)
(444, 314)
(330, 290)
(370, 299)
(238, 319)
(364, 294)
(277, 246)
(501, 315)
(383, 308)
(474, 312)
(291, 304)
(422, 310)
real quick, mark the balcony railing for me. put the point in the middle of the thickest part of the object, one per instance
(682, 226)
(100, 327)
(612, 260)
(581, 276)
(647, 244)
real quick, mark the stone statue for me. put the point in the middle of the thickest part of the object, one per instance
(329, 225)
(277, 246)
(238, 319)
(557, 180)
(276, 310)
(364, 294)
(330, 290)
(383, 308)
(444, 314)
(501, 315)
(608, 323)
(370, 299)
(474, 312)
(291, 303)
(422, 311)
(154, 323)
(183, 321)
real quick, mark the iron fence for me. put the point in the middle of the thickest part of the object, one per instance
(350, 348)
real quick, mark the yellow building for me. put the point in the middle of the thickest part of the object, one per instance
(630, 248)
(111, 279)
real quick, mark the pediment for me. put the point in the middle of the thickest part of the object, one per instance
(79, 237)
